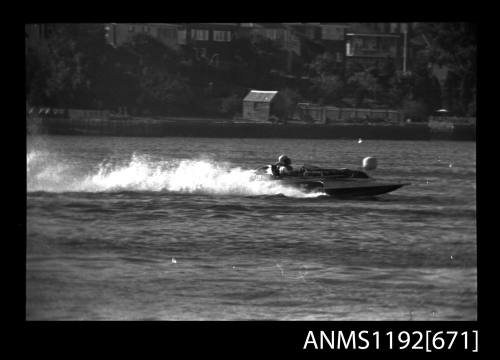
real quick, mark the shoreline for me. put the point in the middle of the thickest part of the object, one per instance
(223, 128)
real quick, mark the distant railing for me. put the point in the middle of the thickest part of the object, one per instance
(453, 119)
(449, 123)
(45, 112)
(331, 114)
(71, 114)
(88, 114)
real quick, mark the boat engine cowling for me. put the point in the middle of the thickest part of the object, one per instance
(370, 163)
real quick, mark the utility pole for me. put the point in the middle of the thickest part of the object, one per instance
(405, 33)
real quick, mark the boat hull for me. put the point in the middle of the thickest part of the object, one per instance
(346, 187)
(362, 191)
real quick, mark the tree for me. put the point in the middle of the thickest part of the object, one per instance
(37, 74)
(231, 105)
(328, 89)
(415, 110)
(285, 104)
(387, 72)
(156, 70)
(325, 64)
(67, 64)
(398, 89)
(163, 93)
(254, 60)
(152, 53)
(363, 85)
(454, 45)
(268, 55)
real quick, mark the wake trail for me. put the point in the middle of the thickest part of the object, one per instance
(52, 173)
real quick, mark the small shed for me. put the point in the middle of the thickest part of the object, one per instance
(257, 105)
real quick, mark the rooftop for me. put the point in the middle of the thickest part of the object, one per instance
(260, 95)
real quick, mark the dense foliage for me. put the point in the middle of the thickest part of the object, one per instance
(75, 67)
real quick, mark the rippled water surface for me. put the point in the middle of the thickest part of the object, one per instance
(180, 229)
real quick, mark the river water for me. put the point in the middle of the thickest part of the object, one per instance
(180, 229)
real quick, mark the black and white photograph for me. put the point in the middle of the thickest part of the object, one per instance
(251, 171)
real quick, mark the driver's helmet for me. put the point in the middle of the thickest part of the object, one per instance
(283, 159)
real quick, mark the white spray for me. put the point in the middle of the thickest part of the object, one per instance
(46, 172)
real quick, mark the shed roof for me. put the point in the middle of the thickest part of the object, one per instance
(261, 96)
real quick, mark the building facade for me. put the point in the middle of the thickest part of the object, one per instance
(278, 32)
(119, 33)
(374, 49)
(365, 44)
(333, 37)
(36, 32)
(211, 40)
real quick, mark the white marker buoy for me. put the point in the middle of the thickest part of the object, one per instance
(174, 261)
(370, 163)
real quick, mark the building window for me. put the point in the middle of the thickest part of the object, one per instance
(170, 34)
(181, 37)
(349, 49)
(332, 33)
(198, 34)
(222, 35)
(272, 34)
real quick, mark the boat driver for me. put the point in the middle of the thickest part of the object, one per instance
(284, 165)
